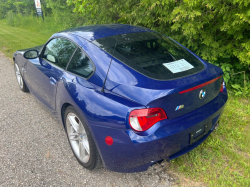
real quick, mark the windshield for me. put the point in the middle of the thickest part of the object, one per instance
(151, 54)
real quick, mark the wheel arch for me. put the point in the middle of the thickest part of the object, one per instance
(63, 109)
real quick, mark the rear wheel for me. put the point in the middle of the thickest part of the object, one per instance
(19, 78)
(80, 139)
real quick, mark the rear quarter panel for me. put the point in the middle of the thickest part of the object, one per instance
(96, 108)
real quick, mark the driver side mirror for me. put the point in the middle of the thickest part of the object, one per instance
(31, 54)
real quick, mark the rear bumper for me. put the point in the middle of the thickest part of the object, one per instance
(135, 152)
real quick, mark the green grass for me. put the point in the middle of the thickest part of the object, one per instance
(48, 26)
(13, 38)
(222, 160)
(28, 32)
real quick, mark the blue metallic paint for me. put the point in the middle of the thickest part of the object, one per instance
(37, 76)
(94, 32)
(167, 137)
(106, 114)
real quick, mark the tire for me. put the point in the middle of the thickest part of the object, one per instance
(20, 81)
(80, 140)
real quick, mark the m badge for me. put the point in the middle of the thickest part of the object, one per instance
(179, 107)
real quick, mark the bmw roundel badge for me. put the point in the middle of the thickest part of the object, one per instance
(202, 94)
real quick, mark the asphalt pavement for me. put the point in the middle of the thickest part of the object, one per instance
(34, 150)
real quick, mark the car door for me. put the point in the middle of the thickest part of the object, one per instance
(43, 74)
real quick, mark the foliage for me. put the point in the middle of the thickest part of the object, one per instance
(63, 14)
(25, 7)
(242, 91)
(10, 18)
(23, 14)
(5, 6)
(232, 76)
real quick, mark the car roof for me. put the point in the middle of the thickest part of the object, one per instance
(94, 32)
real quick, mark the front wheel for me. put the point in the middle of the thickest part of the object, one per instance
(19, 78)
(80, 139)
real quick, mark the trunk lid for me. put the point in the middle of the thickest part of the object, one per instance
(188, 100)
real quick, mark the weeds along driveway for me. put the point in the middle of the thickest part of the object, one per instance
(34, 149)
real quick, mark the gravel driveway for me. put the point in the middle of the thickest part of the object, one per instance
(34, 150)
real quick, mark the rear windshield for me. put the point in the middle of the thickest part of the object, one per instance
(151, 54)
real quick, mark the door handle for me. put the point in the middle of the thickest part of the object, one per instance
(52, 81)
(23, 70)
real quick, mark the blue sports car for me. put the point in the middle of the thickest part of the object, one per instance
(127, 96)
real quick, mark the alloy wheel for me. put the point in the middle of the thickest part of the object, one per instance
(18, 76)
(78, 137)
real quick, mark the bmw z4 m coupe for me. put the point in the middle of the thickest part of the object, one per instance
(127, 96)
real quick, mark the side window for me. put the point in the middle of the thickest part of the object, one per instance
(81, 64)
(59, 51)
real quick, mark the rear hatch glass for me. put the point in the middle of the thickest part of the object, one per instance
(151, 54)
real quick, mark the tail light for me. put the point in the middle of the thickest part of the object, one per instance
(221, 86)
(143, 119)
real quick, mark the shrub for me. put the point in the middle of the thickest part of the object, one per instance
(10, 17)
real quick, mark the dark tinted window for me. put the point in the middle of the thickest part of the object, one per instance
(151, 54)
(59, 51)
(81, 64)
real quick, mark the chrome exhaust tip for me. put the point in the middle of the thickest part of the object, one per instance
(216, 125)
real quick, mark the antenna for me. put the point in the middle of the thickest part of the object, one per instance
(102, 90)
